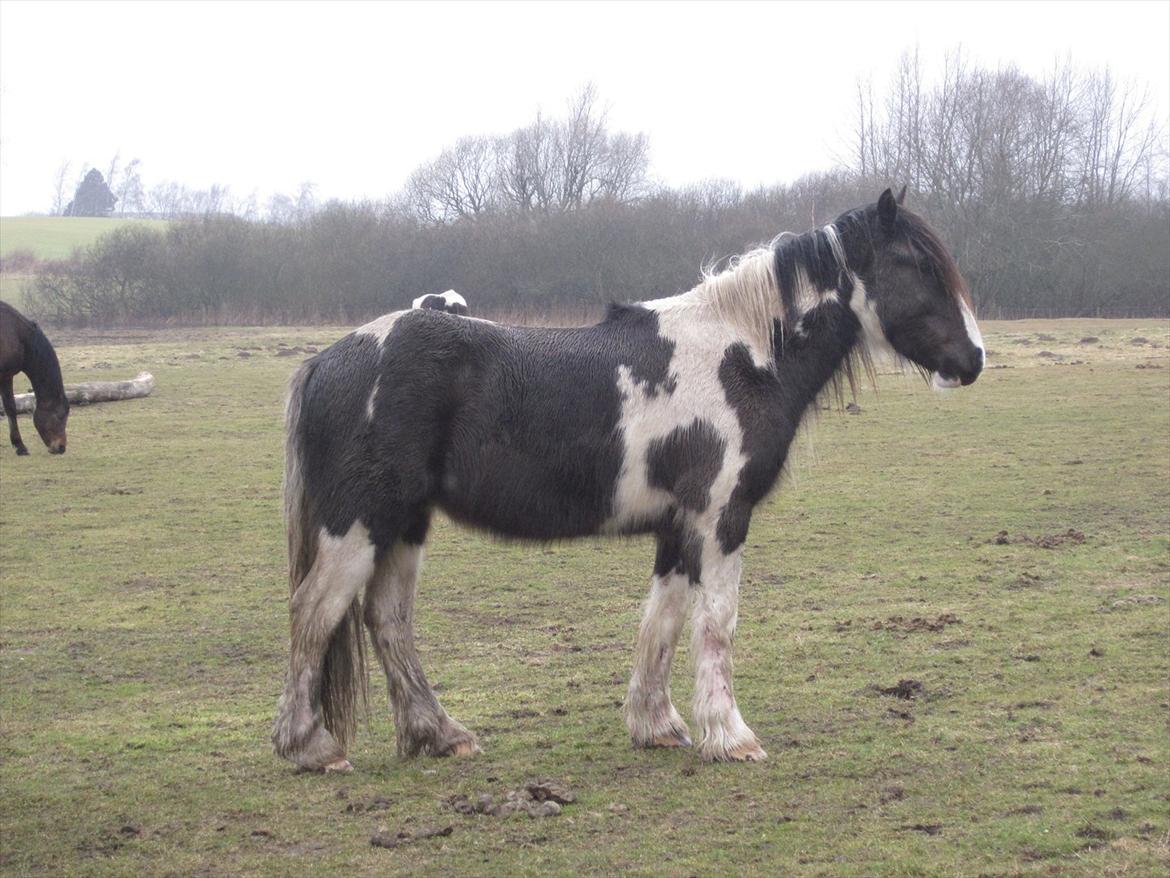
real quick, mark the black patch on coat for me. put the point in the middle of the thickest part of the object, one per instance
(685, 462)
(770, 402)
(680, 550)
(511, 429)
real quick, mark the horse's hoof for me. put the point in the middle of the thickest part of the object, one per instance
(464, 748)
(671, 739)
(337, 766)
(749, 751)
(22, 451)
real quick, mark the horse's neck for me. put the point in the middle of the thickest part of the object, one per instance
(820, 349)
(42, 367)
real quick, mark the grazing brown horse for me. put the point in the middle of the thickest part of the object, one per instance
(24, 348)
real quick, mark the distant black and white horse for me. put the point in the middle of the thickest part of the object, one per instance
(671, 417)
(450, 301)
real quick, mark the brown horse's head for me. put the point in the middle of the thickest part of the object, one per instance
(49, 419)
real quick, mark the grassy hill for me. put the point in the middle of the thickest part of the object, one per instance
(55, 237)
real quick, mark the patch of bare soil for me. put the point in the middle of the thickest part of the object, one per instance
(406, 836)
(916, 623)
(928, 828)
(1025, 810)
(1050, 541)
(377, 803)
(905, 689)
(1094, 833)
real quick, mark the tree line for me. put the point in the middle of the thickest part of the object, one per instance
(1052, 192)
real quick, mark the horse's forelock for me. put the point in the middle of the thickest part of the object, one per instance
(926, 242)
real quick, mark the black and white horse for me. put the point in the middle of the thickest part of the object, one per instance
(450, 301)
(671, 417)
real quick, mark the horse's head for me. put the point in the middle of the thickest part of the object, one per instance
(49, 419)
(914, 297)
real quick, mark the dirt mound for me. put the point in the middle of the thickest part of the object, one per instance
(541, 798)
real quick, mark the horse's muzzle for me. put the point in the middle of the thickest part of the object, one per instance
(955, 373)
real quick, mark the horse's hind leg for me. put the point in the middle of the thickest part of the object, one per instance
(325, 627)
(9, 402)
(421, 724)
(650, 715)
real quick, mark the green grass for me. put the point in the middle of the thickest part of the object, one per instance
(144, 621)
(55, 237)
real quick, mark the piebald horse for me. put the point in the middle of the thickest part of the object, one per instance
(671, 417)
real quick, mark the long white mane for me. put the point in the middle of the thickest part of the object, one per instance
(747, 294)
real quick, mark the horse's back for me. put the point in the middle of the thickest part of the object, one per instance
(513, 429)
(13, 328)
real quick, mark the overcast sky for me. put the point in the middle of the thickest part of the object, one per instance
(353, 96)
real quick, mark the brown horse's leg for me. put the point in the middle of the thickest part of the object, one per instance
(10, 410)
(421, 725)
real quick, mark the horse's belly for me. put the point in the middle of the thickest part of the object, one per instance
(525, 494)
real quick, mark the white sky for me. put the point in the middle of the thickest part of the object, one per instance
(353, 96)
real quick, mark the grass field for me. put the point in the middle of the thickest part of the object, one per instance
(1005, 547)
(55, 237)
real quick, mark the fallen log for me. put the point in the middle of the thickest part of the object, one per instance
(95, 391)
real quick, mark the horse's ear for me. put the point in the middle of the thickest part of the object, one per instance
(901, 195)
(887, 210)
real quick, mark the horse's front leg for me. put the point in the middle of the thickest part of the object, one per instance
(9, 402)
(723, 735)
(650, 714)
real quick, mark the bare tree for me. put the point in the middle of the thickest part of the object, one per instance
(60, 188)
(547, 166)
(129, 189)
(460, 183)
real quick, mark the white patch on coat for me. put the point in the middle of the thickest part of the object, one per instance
(744, 298)
(650, 415)
(872, 334)
(450, 298)
(380, 327)
(373, 398)
(340, 571)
